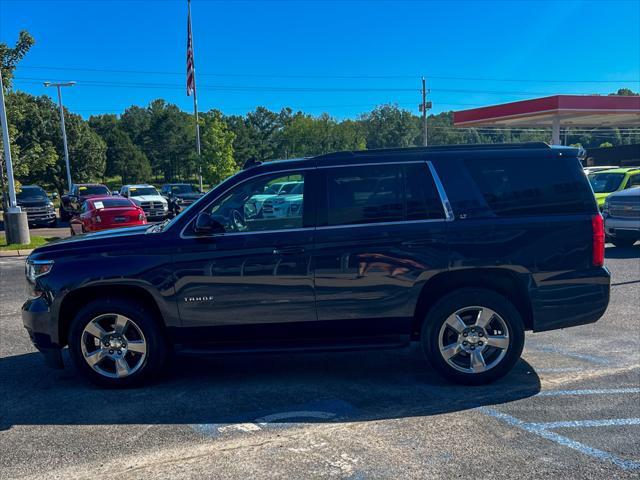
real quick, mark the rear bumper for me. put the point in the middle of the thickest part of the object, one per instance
(570, 299)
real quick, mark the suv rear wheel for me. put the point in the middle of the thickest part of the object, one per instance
(473, 336)
(116, 343)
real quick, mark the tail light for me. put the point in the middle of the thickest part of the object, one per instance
(597, 230)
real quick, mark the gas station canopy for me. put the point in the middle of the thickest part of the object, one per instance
(552, 112)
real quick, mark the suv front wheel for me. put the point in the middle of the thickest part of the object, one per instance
(116, 343)
(473, 336)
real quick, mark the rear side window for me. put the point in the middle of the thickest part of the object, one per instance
(380, 194)
(541, 186)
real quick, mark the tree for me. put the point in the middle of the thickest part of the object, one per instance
(625, 92)
(124, 158)
(9, 57)
(389, 126)
(217, 148)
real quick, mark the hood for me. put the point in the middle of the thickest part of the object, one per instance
(148, 198)
(34, 202)
(630, 194)
(71, 244)
(188, 196)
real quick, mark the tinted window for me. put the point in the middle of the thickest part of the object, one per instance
(182, 189)
(634, 181)
(93, 190)
(31, 193)
(381, 193)
(543, 186)
(141, 191)
(251, 207)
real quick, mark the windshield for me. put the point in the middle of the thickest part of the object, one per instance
(31, 193)
(93, 190)
(182, 189)
(140, 191)
(605, 182)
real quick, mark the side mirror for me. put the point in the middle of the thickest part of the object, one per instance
(207, 225)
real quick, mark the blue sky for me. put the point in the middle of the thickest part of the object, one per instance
(340, 57)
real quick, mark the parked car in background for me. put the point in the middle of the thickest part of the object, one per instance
(103, 213)
(459, 248)
(39, 207)
(71, 203)
(589, 170)
(621, 212)
(155, 206)
(253, 207)
(285, 204)
(606, 182)
(180, 195)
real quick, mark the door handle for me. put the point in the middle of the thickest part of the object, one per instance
(287, 250)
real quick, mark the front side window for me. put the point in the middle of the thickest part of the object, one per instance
(253, 207)
(634, 181)
(380, 194)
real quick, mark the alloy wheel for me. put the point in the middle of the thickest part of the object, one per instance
(473, 339)
(113, 345)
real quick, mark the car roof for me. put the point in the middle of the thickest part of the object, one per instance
(618, 170)
(512, 150)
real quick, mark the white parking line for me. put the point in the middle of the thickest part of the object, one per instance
(541, 431)
(589, 423)
(597, 391)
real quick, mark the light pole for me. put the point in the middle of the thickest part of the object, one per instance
(59, 85)
(16, 223)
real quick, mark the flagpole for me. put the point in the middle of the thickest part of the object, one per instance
(195, 97)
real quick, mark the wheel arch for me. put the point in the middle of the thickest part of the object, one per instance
(507, 283)
(76, 299)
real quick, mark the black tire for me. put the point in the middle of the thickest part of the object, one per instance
(623, 242)
(460, 299)
(156, 346)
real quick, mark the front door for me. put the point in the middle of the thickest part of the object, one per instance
(255, 281)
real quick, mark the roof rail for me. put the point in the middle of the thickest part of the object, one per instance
(445, 148)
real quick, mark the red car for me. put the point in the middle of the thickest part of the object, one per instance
(105, 212)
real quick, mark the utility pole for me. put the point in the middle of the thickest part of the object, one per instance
(424, 107)
(64, 131)
(16, 222)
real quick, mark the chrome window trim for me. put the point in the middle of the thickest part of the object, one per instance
(381, 224)
(446, 205)
(448, 211)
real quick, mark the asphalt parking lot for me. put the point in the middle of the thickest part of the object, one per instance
(570, 408)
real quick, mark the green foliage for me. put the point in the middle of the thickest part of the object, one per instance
(10, 56)
(217, 148)
(606, 145)
(389, 126)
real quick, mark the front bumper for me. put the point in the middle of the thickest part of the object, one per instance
(570, 298)
(41, 218)
(42, 329)
(619, 227)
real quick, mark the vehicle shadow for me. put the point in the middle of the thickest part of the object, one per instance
(213, 391)
(622, 252)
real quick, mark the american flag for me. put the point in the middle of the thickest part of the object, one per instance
(191, 74)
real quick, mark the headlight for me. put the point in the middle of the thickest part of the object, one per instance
(38, 268)
(50, 204)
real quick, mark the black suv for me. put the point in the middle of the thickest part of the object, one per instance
(459, 248)
(39, 207)
(179, 195)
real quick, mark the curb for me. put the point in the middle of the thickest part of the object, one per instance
(15, 253)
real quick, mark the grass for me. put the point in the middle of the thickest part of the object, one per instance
(35, 242)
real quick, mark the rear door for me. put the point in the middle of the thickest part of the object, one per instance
(381, 235)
